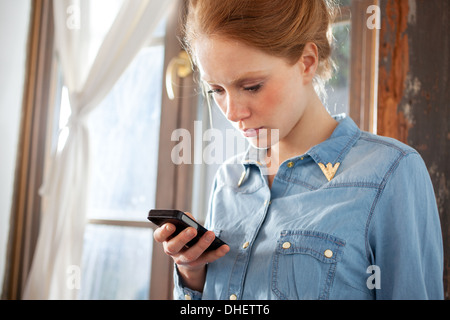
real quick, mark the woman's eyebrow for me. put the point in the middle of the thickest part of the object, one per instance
(246, 77)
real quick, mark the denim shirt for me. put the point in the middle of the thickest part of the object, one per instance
(371, 231)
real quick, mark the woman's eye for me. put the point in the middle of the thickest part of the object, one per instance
(254, 88)
(215, 91)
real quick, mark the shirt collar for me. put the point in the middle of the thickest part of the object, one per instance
(328, 155)
(334, 149)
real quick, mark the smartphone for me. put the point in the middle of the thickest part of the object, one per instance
(181, 221)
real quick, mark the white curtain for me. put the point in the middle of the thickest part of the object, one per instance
(58, 253)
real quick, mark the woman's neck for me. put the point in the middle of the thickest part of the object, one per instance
(314, 127)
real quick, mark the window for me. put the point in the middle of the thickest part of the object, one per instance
(124, 132)
(364, 66)
(338, 88)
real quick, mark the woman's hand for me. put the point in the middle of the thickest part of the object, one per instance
(191, 261)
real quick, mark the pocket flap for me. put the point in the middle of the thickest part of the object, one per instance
(322, 246)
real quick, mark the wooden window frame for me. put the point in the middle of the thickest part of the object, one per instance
(174, 182)
(39, 92)
(364, 67)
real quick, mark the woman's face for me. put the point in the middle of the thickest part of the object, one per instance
(257, 92)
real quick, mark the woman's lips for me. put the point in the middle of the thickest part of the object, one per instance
(251, 133)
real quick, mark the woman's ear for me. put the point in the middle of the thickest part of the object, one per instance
(309, 62)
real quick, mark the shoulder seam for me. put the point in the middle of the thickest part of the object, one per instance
(377, 139)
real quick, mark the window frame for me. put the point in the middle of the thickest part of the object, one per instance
(174, 182)
(39, 96)
(364, 67)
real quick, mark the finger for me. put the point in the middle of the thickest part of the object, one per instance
(176, 244)
(199, 248)
(197, 255)
(207, 257)
(162, 233)
(212, 256)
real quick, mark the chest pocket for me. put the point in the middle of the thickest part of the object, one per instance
(304, 264)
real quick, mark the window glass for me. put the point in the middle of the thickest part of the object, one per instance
(125, 140)
(116, 263)
(338, 88)
(124, 144)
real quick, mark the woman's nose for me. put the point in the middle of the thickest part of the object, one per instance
(236, 110)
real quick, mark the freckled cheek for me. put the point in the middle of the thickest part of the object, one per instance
(272, 102)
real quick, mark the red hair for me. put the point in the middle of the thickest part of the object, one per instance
(278, 27)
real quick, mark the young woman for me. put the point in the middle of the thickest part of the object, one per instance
(341, 214)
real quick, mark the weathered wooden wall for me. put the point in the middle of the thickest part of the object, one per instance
(414, 91)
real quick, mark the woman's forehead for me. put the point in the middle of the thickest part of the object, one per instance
(219, 59)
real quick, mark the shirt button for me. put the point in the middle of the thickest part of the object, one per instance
(290, 164)
(233, 297)
(328, 253)
(187, 297)
(245, 245)
(286, 245)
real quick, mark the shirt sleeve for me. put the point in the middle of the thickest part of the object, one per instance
(404, 237)
(180, 292)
